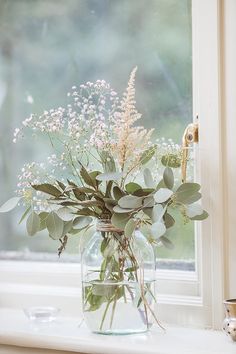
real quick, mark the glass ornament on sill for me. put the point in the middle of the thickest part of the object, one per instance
(118, 277)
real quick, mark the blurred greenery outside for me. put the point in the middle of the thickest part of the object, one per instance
(47, 46)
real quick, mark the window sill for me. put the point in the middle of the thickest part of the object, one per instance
(66, 334)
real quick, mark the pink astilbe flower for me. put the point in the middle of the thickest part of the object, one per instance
(131, 140)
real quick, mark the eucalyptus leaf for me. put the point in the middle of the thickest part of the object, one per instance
(68, 225)
(25, 214)
(162, 195)
(192, 198)
(158, 229)
(169, 220)
(108, 189)
(201, 217)
(81, 221)
(148, 179)
(148, 202)
(48, 189)
(143, 192)
(88, 179)
(109, 206)
(119, 220)
(43, 216)
(194, 210)
(74, 231)
(157, 213)
(109, 176)
(33, 224)
(119, 210)
(55, 226)
(160, 185)
(103, 290)
(86, 212)
(130, 227)
(110, 201)
(147, 155)
(148, 212)
(168, 177)
(65, 214)
(171, 160)
(118, 193)
(9, 204)
(186, 191)
(166, 242)
(130, 202)
(132, 187)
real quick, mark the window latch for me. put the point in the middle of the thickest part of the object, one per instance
(190, 136)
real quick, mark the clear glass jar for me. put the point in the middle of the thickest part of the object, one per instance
(118, 275)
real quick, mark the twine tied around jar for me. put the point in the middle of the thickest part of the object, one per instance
(106, 226)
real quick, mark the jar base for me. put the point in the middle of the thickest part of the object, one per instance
(121, 332)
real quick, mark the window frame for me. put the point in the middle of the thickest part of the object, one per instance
(184, 298)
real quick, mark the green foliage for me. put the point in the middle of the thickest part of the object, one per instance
(43, 216)
(132, 187)
(162, 195)
(9, 205)
(201, 217)
(148, 154)
(119, 220)
(158, 229)
(130, 227)
(187, 193)
(80, 222)
(55, 226)
(25, 214)
(157, 212)
(171, 160)
(166, 242)
(33, 224)
(148, 179)
(130, 201)
(168, 177)
(119, 210)
(89, 179)
(48, 189)
(118, 193)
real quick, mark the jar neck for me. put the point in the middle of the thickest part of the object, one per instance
(105, 225)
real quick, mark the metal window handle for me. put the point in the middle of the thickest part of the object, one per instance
(190, 136)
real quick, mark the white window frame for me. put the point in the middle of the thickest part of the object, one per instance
(186, 298)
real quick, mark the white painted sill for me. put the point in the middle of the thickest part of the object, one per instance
(67, 334)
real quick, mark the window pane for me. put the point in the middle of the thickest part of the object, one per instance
(55, 44)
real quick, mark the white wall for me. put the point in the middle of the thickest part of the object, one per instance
(229, 136)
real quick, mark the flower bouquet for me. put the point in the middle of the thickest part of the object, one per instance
(106, 170)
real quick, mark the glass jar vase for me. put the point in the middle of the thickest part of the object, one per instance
(118, 275)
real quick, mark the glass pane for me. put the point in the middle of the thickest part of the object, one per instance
(47, 46)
